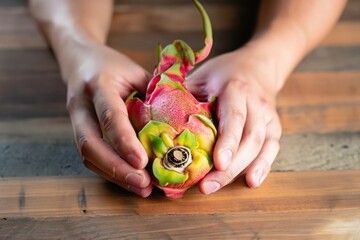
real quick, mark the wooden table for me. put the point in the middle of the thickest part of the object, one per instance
(313, 191)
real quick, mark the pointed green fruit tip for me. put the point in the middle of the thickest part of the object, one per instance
(158, 52)
(164, 79)
(187, 139)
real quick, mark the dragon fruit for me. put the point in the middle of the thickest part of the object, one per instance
(175, 129)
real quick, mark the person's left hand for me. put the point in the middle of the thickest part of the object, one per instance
(249, 128)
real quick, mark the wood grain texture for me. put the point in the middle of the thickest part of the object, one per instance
(320, 119)
(163, 18)
(234, 19)
(307, 204)
(35, 153)
(310, 102)
(343, 33)
(320, 89)
(331, 59)
(329, 225)
(320, 102)
(69, 196)
(318, 151)
(351, 11)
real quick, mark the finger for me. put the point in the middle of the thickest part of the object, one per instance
(196, 83)
(260, 167)
(112, 114)
(143, 192)
(250, 146)
(231, 113)
(135, 76)
(93, 148)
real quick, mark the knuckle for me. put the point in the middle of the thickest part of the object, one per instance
(230, 139)
(275, 144)
(263, 103)
(237, 114)
(71, 103)
(256, 137)
(237, 83)
(106, 118)
(114, 172)
(84, 146)
(107, 80)
(266, 166)
(229, 176)
(120, 141)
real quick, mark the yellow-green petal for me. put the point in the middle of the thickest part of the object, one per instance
(187, 139)
(158, 146)
(165, 176)
(155, 128)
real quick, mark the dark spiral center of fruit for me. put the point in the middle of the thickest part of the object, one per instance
(177, 159)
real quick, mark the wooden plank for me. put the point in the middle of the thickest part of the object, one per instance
(307, 204)
(351, 11)
(320, 119)
(332, 224)
(36, 130)
(331, 59)
(146, 18)
(30, 85)
(35, 153)
(35, 61)
(70, 196)
(320, 102)
(317, 119)
(180, 2)
(315, 151)
(343, 34)
(40, 92)
(12, 3)
(18, 29)
(19, 159)
(144, 52)
(320, 88)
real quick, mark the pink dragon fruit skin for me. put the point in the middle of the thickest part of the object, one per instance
(175, 129)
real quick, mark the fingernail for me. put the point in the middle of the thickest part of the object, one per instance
(211, 186)
(260, 176)
(134, 179)
(225, 157)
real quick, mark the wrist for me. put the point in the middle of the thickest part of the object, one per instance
(282, 44)
(72, 49)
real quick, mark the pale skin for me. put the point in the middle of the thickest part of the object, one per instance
(245, 81)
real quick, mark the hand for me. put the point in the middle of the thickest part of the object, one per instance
(249, 127)
(98, 80)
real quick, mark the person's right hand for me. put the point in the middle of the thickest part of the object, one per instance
(98, 80)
